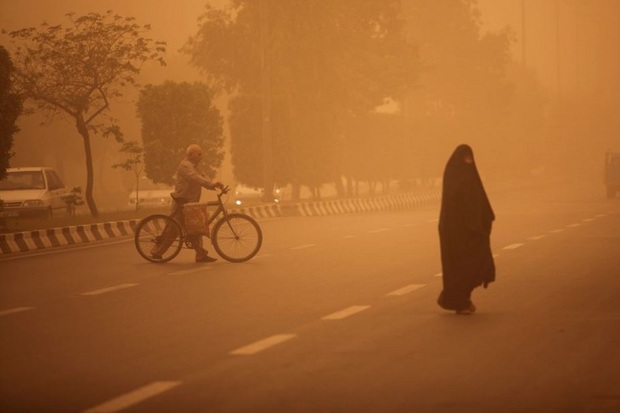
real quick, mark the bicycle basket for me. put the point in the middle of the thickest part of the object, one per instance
(196, 219)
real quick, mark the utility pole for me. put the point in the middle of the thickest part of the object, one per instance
(523, 61)
(265, 75)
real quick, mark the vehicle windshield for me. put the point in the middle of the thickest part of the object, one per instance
(19, 180)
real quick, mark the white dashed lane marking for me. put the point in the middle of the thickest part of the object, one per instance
(200, 268)
(536, 237)
(348, 237)
(110, 289)
(301, 247)
(588, 220)
(513, 246)
(376, 231)
(573, 225)
(261, 345)
(555, 231)
(439, 274)
(15, 310)
(127, 400)
(407, 289)
(347, 312)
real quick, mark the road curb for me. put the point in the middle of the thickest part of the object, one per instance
(28, 241)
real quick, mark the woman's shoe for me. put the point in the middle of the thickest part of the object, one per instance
(466, 311)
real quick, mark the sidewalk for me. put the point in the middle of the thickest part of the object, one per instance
(28, 241)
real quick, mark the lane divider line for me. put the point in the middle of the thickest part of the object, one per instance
(573, 225)
(15, 310)
(439, 274)
(513, 246)
(134, 397)
(376, 231)
(536, 237)
(261, 345)
(406, 289)
(199, 269)
(348, 237)
(262, 256)
(301, 247)
(110, 289)
(587, 220)
(555, 231)
(347, 312)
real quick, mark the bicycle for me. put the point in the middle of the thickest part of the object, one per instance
(236, 237)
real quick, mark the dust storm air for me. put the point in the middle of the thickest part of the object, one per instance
(293, 205)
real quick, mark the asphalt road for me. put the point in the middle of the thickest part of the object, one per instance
(336, 314)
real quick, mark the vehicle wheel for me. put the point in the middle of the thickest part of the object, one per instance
(237, 238)
(158, 230)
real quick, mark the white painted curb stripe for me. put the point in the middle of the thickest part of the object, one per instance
(15, 310)
(110, 289)
(134, 397)
(407, 289)
(261, 345)
(339, 315)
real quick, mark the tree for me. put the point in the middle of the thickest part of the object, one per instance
(328, 61)
(175, 115)
(465, 95)
(10, 110)
(134, 163)
(78, 70)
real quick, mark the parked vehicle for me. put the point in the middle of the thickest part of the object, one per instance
(245, 194)
(612, 173)
(32, 192)
(150, 195)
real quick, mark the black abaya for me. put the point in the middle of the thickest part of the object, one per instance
(465, 224)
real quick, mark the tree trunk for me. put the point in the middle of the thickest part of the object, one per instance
(88, 194)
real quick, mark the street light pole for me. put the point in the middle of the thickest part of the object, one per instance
(523, 61)
(266, 102)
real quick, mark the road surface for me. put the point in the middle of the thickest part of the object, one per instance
(336, 314)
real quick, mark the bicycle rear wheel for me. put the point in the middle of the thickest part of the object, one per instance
(158, 238)
(237, 237)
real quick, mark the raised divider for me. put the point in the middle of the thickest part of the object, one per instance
(28, 241)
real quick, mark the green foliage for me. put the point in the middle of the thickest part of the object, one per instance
(326, 62)
(175, 115)
(10, 110)
(79, 69)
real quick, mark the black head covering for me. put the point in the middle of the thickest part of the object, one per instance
(464, 200)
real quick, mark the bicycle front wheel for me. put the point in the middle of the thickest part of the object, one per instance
(237, 237)
(158, 238)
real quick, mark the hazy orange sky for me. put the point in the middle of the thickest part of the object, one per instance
(175, 21)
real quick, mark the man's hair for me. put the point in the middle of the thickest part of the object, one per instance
(192, 148)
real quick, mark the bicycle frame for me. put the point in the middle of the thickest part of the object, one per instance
(220, 210)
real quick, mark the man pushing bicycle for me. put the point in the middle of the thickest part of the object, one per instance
(188, 186)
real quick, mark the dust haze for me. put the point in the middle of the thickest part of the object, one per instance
(556, 116)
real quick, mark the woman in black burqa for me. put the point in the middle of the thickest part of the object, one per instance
(465, 224)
